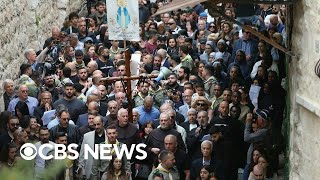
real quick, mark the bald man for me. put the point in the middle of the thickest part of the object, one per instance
(164, 59)
(258, 173)
(182, 158)
(91, 67)
(147, 111)
(55, 32)
(74, 76)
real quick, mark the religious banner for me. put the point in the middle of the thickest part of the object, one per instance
(123, 19)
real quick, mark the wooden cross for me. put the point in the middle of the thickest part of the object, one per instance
(128, 79)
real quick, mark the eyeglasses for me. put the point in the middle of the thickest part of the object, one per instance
(201, 104)
(15, 124)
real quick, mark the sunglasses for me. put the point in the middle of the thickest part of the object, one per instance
(201, 104)
(212, 26)
(170, 23)
(15, 124)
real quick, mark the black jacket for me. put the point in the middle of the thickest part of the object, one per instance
(72, 131)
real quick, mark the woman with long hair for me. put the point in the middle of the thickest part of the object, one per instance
(90, 51)
(21, 109)
(191, 27)
(8, 156)
(204, 173)
(172, 45)
(212, 27)
(262, 49)
(256, 153)
(4, 118)
(116, 170)
(264, 162)
(145, 130)
(226, 31)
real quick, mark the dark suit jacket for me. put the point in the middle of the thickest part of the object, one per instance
(186, 125)
(83, 120)
(215, 165)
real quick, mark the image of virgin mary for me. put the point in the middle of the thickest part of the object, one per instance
(123, 17)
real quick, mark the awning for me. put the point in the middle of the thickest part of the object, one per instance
(179, 4)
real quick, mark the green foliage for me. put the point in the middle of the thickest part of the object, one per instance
(23, 170)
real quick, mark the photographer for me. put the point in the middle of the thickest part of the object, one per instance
(55, 33)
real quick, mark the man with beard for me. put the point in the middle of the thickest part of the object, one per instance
(112, 109)
(104, 63)
(67, 171)
(83, 78)
(186, 59)
(183, 75)
(49, 85)
(143, 88)
(12, 125)
(99, 165)
(209, 80)
(227, 135)
(70, 101)
(155, 140)
(91, 138)
(127, 132)
(173, 88)
(39, 165)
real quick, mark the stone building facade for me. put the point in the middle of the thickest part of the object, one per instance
(304, 91)
(26, 24)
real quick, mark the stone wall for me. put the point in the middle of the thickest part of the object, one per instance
(305, 92)
(26, 24)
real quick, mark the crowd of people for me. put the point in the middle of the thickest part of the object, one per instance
(216, 111)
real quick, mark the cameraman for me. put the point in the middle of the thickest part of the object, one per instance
(55, 32)
(33, 59)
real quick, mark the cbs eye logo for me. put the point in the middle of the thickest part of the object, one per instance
(28, 151)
